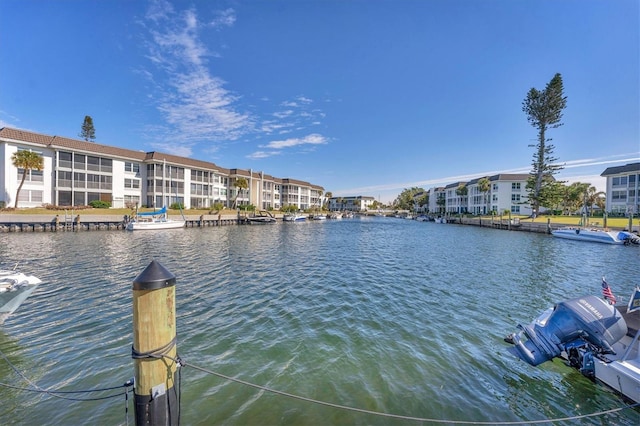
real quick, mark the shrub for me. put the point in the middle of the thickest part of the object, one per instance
(99, 204)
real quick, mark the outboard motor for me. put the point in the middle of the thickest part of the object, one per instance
(588, 318)
(628, 237)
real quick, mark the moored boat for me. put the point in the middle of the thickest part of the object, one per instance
(596, 235)
(157, 219)
(262, 217)
(15, 287)
(593, 335)
(294, 217)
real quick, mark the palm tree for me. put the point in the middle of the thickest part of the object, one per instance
(26, 160)
(328, 196)
(240, 183)
(595, 197)
(484, 185)
(461, 192)
(320, 198)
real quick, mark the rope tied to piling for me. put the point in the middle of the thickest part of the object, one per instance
(155, 353)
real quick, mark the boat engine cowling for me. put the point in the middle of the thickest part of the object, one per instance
(588, 318)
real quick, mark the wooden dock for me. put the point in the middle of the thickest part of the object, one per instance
(78, 223)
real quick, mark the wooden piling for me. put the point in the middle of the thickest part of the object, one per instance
(154, 347)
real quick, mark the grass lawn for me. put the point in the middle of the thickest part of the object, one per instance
(613, 222)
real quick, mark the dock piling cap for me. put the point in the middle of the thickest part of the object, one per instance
(154, 276)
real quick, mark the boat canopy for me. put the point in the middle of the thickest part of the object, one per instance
(153, 213)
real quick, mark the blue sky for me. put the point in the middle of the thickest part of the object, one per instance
(361, 97)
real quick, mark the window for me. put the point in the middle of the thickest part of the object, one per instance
(37, 176)
(30, 196)
(515, 209)
(515, 186)
(132, 183)
(131, 167)
(64, 179)
(515, 198)
(79, 199)
(64, 197)
(93, 164)
(79, 181)
(93, 181)
(105, 182)
(620, 181)
(79, 162)
(64, 160)
(32, 175)
(106, 165)
(131, 199)
(618, 196)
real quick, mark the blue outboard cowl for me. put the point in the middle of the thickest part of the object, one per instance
(588, 318)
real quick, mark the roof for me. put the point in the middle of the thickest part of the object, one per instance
(58, 142)
(627, 168)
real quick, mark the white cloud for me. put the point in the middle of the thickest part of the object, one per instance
(224, 18)
(179, 150)
(194, 103)
(262, 154)
(312, 139)
(283, 114)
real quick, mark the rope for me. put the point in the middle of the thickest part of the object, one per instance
(396, 416)
(57, 394)
(162, 353)
(155, 353)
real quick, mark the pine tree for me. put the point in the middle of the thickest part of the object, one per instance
(88, 132)
(544, 112)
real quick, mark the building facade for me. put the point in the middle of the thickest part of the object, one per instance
(505, 193)
(623, 189)
(78, 172)
(357, 203)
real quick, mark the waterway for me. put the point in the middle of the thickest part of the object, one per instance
(387, 315)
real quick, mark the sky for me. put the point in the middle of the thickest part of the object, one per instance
(361, 97)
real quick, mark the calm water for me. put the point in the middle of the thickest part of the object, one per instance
(380, 314)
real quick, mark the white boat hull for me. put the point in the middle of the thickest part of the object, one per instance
(621, 376)
(15, 288)
(592, 235)
(155, 224)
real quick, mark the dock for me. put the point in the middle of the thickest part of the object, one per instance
(79, 222)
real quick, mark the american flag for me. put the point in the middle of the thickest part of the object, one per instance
(607, 293)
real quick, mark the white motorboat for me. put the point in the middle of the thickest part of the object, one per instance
(294, 217)
(262, 217)
(157, 219)
(319, 217)
(596, 235)
(15, 287)
(593, 335)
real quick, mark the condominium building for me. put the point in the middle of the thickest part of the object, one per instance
(623, 189)
(506, 192)
(78, 172)
(357, 203)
